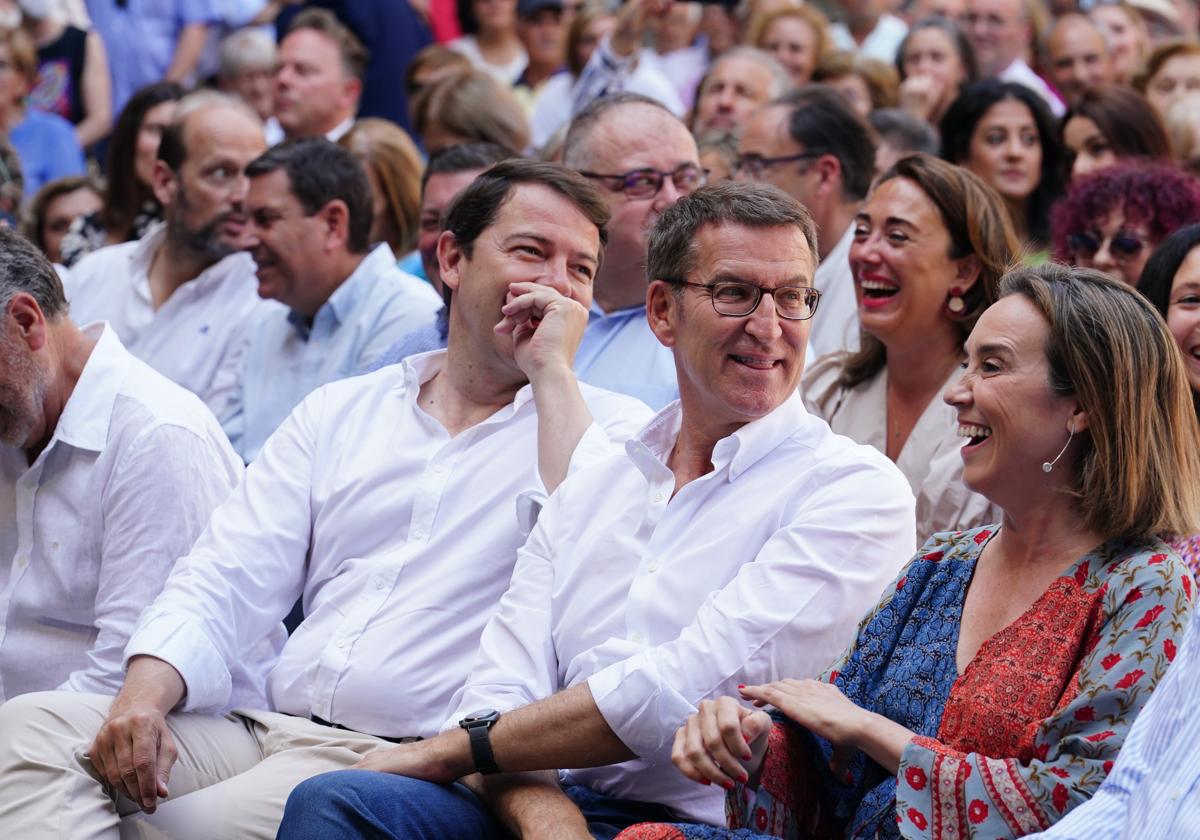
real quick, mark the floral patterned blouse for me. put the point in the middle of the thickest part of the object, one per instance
(1027, 732)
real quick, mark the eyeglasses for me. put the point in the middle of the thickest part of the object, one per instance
(1122, 245)
(755, 165)
(730, 297)
(645, 183)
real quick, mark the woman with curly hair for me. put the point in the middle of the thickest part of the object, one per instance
(1112, 220)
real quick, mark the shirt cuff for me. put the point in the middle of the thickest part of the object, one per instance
(183, 646)
(640, 707)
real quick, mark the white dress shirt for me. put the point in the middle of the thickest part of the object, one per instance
(930, 459)
(1023, 74)
(835, 326)
(881, 44)
(195, 337)
(286, 358)
(400, 538)
(89, 531)
(759, 570)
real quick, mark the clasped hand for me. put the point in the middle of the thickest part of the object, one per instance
(545, 325)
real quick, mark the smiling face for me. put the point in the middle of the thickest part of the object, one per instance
(1006, 150)
(793, 43)
(286, 243)
(900, 261)
(538, 236)
(1183, 314)
(1010, 418)
(734, 88)
(1090, 147)
(1127, 44)
(735, 369)
(1079, 57)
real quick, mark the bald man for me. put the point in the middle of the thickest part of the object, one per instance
(1078, 57)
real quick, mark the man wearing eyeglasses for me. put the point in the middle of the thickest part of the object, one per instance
(643, 159)
(812, 146)
(737, 540)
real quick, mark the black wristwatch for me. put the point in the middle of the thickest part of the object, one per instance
(478, 725)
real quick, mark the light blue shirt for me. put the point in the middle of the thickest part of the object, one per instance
(47, 148)
(287, 357)
(1153, 791)
(141, 36)
(620, 353)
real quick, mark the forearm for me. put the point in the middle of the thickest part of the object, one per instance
(530, 804)
(187, 52)
(149, 682)
(563, 418)
(883, 740)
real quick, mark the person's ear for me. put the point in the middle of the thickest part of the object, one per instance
(335, 225)
(450, 260)
(164, 182)
(26, 321)
(663, 304)
(967, 271)
(1078, 420)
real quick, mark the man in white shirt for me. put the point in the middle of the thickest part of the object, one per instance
(182, 299)
(1001, 34)
(737, 540)
(868, 30)
(309, 213)
(643, 159)
(108, 473)
(318, 80)
(389, 503)
(812, 146)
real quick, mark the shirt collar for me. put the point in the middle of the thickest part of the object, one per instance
(419, 368)
(340, 130)
(84, 421)
(749, 444)
(345, 297)
(143, 253)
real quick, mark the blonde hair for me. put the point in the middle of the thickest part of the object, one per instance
(474, 107)
(1160, 55)
(759, 25)
(1140, 471)
(392, 158)
(881, 78)
(22, 52)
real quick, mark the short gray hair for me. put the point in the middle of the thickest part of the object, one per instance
(23, 268)
(249, 47)
(781, 80)
(575, 151)
(671, 250)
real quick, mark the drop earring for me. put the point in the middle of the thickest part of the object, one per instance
(1047, 466)
(955, 304)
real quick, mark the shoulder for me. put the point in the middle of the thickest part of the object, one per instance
(1145, 570)
(102, 269)
(609, 405)
(819, 385)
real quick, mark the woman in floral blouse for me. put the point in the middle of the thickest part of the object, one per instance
(989, 691)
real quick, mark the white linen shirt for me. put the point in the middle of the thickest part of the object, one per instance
(835, 326)
(285, 359)
(195, 337)
(90, 530)
(400, 538)
(759, 570)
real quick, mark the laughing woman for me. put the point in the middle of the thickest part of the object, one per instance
(929, 248)
(990, 690)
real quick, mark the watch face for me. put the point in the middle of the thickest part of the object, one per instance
(482, 714)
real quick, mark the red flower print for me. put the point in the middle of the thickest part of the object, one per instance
(1109, 661)
(918, 819)
(1061, 773)
(1041, 751)
(833, 675)
(933, 556)
(1086, 713)
(915, 777)
(1081, 575)
(977, 811)
(1150, 617)
(1156, 559)
(1100, 736)
(1130, 678)
(1169, 649)
(900, 583)
(1187, 586)
(760, 818)
(1059, 797)
(1135, 594)
(982, 537)
(1108, 766)
(966, 771)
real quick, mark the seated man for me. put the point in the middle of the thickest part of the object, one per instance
(737, 540)
(182, 297)
(310, 211)
(108, 472)
(388, 502)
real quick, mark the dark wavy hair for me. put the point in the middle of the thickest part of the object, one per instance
(964, 114)
(1160, 196)
(1128, 122)
(125, 194)
(1159, 274)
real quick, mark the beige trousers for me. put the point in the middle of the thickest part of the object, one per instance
(232, 778)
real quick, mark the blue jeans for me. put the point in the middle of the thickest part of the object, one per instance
(366, 804)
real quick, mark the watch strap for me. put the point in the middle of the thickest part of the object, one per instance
(481, 747)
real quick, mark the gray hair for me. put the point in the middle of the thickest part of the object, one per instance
(575, 152)
(23, 268)
(781, 80)
(249, 47)
(671, 250)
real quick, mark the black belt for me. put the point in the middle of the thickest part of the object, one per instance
(406, 740)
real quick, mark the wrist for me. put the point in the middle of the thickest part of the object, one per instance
(451, 758)
(551, 375)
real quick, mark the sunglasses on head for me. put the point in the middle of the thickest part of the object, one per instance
(1122, 245)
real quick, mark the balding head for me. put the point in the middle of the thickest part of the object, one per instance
(739, 82)
(999, 30)
(1078, 56)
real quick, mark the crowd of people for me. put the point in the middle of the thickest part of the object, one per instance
(549, 419)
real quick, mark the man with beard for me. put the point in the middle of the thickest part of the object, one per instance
(182, 298)
(108, 472)
(309, 211)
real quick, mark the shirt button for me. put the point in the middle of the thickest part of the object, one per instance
(22, 562)
(439, 470)
(652, 568)
(342, 643)
(379, 583)
(418, 534)
(637, 638)
(657, 498)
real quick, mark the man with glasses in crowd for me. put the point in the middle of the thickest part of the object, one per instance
(812, 146)
(636, 599)
(643, 159)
